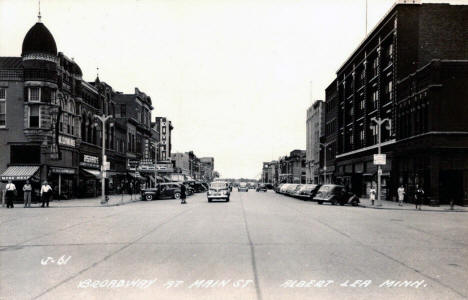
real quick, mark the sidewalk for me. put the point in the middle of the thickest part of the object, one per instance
(365, 202)
(114, 200)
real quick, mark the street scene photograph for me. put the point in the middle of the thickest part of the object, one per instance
(234, 149)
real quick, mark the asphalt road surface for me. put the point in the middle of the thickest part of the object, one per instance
(257, 246)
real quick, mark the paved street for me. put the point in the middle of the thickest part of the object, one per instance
(257, 246)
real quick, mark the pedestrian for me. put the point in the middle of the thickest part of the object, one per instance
(183, 194)
(401, 195)
(10, 193)
(27, 190)
(418, 197)
(372, 193)
(46, 193)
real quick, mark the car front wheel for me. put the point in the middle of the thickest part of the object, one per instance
(320, 202)
(149, 197)
(176, 195)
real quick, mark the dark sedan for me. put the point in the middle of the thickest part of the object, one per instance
(335, 194)
(162, 190)
(307, 191)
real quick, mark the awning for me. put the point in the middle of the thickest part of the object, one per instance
(19, 173)
(137, 175)
(95, 173)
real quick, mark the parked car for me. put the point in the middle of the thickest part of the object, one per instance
(218, 190)
(261, 187)
(269, 186)
(199, 187)
(252, 185)
(284, 187)
(162, 190)
(307, 191)
(278, 187)
(292, 189)
(243, 187)
(335, 194)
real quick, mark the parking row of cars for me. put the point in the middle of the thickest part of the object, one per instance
(172, 190)
(332, 193)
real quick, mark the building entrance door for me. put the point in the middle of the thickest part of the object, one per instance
(451, 187)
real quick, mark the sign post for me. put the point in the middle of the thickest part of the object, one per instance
(380, 159)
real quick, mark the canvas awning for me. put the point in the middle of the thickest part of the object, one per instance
(95, 173)
(19, 173)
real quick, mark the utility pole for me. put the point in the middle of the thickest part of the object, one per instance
(379, 122)
(325, 146)
(103, 120)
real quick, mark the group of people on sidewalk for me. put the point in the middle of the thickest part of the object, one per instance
(11, 193)
(418, 196)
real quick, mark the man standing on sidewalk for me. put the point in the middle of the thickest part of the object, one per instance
(418, 197)
(372, 193)
(401, 195)
(27, 190)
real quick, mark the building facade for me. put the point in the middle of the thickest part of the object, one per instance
(315, 125)
(386, 78)
(292, 168)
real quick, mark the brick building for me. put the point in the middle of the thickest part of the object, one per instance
(410, 70)
(315, 125)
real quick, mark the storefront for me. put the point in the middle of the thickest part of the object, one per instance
(63, 181)
(90, 176)
(18, 175)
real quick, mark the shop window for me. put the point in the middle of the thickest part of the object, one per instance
(34, 116)
(34, 94)
(25, 154)
(2, 107)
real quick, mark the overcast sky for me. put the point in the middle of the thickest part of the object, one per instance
(235, 77)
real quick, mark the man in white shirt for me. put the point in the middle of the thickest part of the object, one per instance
(10, 193)
(46, 192)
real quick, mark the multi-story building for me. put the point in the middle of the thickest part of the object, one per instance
(410, 70)
(329, 140)
(292, 168)
(315, 125)
(270, 172)
(207, 168)
(134, 112)
(182, 162)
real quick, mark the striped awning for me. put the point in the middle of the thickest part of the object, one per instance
(19, 173)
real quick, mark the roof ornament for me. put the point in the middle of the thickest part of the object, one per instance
(39, 14)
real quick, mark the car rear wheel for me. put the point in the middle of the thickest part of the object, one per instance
(227, 200)
(149, 197)
(209, 200)
(320, 202)
(176, 195)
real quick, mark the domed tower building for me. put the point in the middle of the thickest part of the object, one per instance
(38, 115)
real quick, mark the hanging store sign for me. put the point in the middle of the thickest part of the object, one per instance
(380, 159)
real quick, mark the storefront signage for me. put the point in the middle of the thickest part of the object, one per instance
(380, 159)
(164, 168)
(67, 141)
(62, 170)
(146, 168)
(90, 161)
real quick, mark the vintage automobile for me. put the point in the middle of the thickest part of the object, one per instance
(307, 191)
(335, 194)
(278, 187)
(284, 187)
(162, 190)
(261, 187)
(243, 187)
(218, 190)
(292, 189)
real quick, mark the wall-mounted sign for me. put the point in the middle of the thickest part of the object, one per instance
(380, 159)
(67, 141)
(89, 161)
(62, 170)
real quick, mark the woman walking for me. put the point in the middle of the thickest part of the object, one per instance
(27, 190)
(401, 195)
(372, 193)
(46, 192)
(10, 194)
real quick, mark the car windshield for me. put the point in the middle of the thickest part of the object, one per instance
(218, 185)
(325, 189)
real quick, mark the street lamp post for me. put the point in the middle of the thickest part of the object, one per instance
(379, 122)
(325, 146)
(103, 120)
